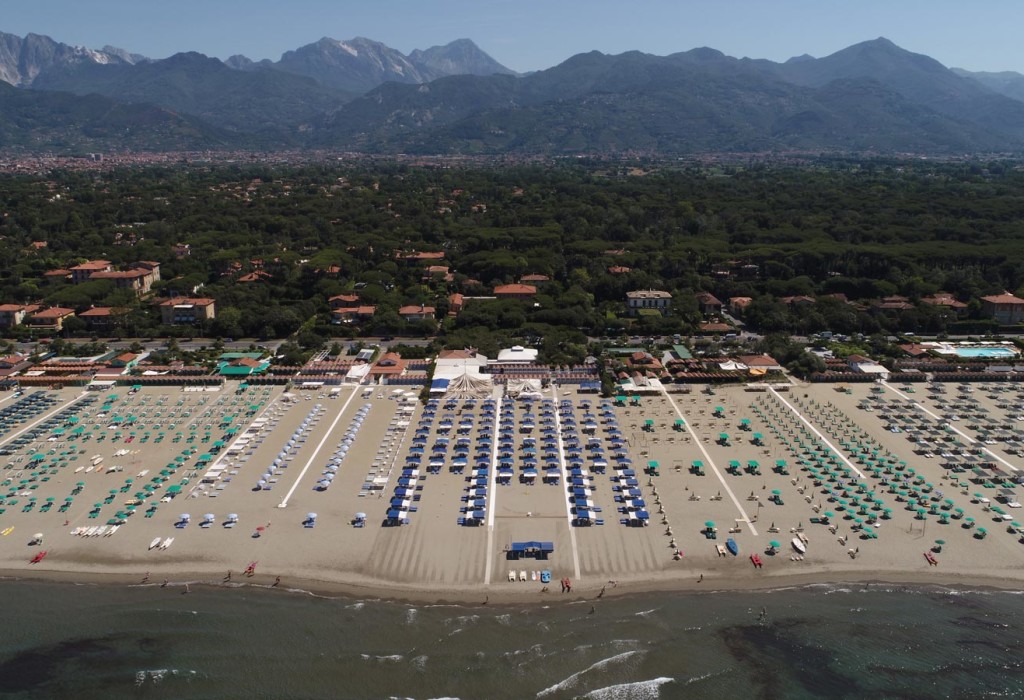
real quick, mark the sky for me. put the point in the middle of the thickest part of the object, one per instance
(527, 35)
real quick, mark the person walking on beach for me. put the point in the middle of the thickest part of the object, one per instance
(228, 577)
(164, 584)
(563, 585)
(602, 591)
(145, 579)
(277, 581)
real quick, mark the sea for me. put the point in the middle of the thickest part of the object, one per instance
(64, 640)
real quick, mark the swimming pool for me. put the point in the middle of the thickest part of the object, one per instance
(985, 352)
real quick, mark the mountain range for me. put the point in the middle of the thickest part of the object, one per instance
(360, 94)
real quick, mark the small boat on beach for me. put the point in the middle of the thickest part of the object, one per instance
(155, 543)
(799, 546)
(167, 543)
(731, 545)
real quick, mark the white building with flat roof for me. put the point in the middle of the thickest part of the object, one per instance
(517, 353)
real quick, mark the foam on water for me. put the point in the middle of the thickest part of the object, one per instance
(602, 665)
(641, 690)
(393, 658)
(157, 675)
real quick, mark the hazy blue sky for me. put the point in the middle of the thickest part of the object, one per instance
(534, 34)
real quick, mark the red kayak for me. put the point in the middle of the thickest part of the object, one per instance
(38, 557)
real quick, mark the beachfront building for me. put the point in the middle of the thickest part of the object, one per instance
(103, 319)
(759, 365)
(14, 314)
(517, 354)
(125, 360)
(389, 365)
(1005, 308)
(187, 311)
(647, 300)
(865, 365)
(51, 319)
(242, 364)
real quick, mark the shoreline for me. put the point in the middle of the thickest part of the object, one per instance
(479, 596)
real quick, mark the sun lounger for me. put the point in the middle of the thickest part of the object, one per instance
(511, 575)
(522, 575)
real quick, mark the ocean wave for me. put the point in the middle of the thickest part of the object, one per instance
(602, 665)
(703, 677)
(392, 658)
(647, 613)
(640, 690)
(157, 675)
(462, 620)
(534, 652)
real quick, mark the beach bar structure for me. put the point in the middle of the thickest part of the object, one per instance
(537, 550)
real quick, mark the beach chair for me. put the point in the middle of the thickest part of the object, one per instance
(511, 575)
(522, 575)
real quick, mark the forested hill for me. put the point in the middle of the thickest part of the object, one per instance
(870, 98)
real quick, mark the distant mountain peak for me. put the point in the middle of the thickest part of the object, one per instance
(23, 59)
(459, 57)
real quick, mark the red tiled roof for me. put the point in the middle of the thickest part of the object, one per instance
(92, 265)
(1004, 298)
(119, 274)
(514, 289)
(195, 301)
(54, 312)
(413, 309)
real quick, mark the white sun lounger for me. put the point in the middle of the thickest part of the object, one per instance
(511, 575)
(522, 575)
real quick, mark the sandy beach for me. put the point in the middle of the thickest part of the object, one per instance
(788, 459)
